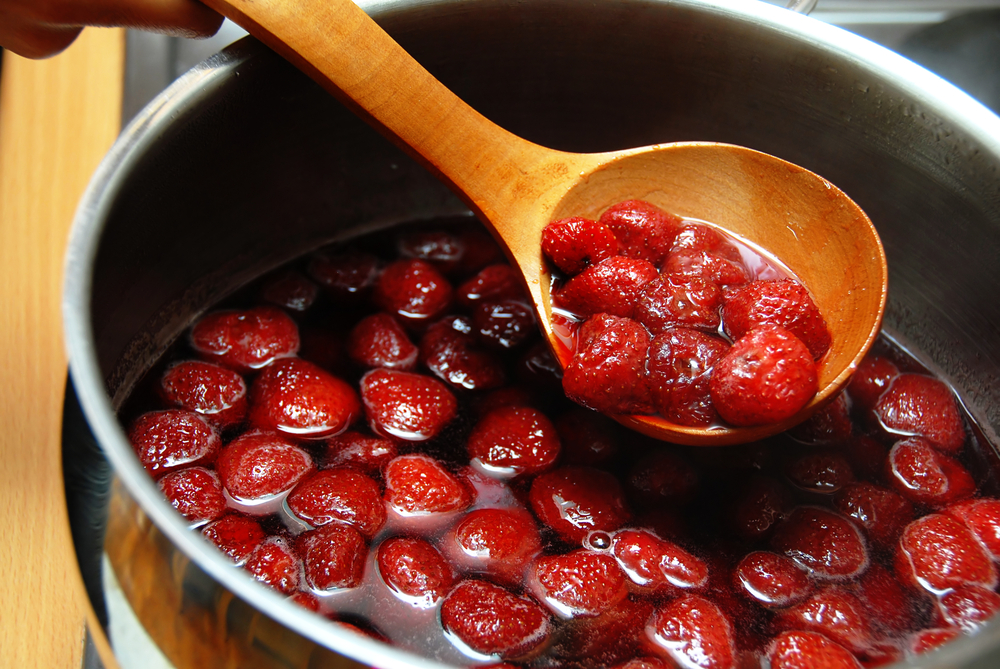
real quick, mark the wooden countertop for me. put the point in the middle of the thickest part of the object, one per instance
(58, 117)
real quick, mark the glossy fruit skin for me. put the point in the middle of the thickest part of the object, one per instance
(379, 340)
(773, 581)
(982, 517)
(679, 367)
(809, 650)
(643, 230)
(497, 542)
(302, 400)
(347, 275)
(579, 584)
(574, 244)
(882, 513)
(823, 542)
(938, 553)
(514, 441)
(968, 607)
(717, 268)
(656, 563)
(782, 302)
(414, 569)
(290, 290)
(923, 475)
(452, 352)
(672, 301)
(612, 286)
(414, 290)
(607, 370)
(196, 493)
(575, 501)
(473, 611)
(694, 632)
(339, 495)
(245, 340)
(870, 380)
(915, 404)
(217, 393)
(833, 612)
(173, 439)
(333, 557)
(504, 324)
(261, 464)
(404, 405)
(418, 484)
(366, 453)
(491, 283)
(275, 563)
(235, 534)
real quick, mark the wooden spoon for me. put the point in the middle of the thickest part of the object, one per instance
(517, 187)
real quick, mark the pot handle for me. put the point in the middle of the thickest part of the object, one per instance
(802, 6)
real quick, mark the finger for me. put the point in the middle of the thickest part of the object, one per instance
(34, 41)
(183, 18)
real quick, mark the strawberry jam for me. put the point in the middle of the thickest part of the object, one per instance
(381, 455)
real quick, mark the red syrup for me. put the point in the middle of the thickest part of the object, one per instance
(676, 522)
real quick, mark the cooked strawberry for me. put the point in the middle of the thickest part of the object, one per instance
(782, 302)
(699, 237)
(275, 563)
(514, 441)
(481, 250)
(982, 516)
(759, 506)
(967, 607)
(196, 494)
(675, 301)
(607, 370)
(694, 632)
(923, 406)
(642, 663)
(408, 406)
(613, 636)
(235, 535)
(380, 341)
(290, 290)
(173, 439)
(829, 426)
(339, 495)
(833, 612)
(419, 484)
(245, 340)
(504, 324)
(679, 367)
(809, 650)
(449, 349)
(538, 369)
(415, 570)
(306, 600)
(822, 472)
(217, 393)
(890, 607)
(333, 557)
(938, 553)
(574, 244)
(363, 452)
(766, 377)
(708, 265)
(612, 286)
(773, 581)
(653, 562)
(881, 513)
(441, 248)
(575, 500)
(871, 378)
(587, 437)
(300, 399)
(579, 584)
(662, 476)
(924, 475)
(866, 455)
(495, 282)
(643, 230)
(347, 275)
(499, 543)
(927, 640)
(825, 543)
(258, 465)
(473, 612)
(414, 290)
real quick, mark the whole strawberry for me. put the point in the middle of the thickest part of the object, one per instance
(783, 302)
(643, 230)
(300, 399)
(245, 340)
(473, 612)
(574, 244)
(612, 286)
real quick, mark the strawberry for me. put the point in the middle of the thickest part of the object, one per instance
(809, 650)
(662, 476)
(450, 350)
(575, 501)
(574, 244)
(642, 663)
(674, 301)
(694, 632)
(419, 484)
(499, 543)
(217, 393)
(275, 563)
(363, 452)
(579, 584)
(679, 367)
(825, 543)
(347, 275)
(612, 286)
(870, 380)
(927, 640)
(766, 377)
(414, 290)
(653, 562)
(300, 399)
(306, 600)
(504, 324)
(643, 230)
(407, 406)
(938, 553)
(481, 250)
(441, 248)
(923, 406)
(782, 302)
(414, 570)
(495, 282)
(339, 495)
(967, 607)
(587, 437)
(245, 340)
(773, 581)
(513, 441)
(196, 494)
(472, 613)
(380, 341)
(924, 475)
(707, 265)
(829, 426)
(759, 506)
(613, 636)
(833, 612)
(173, 439)
(607, 370)
(700, 237)
(289, 290)
(888, 604)
(259, 465)
(822, 472)
(333, 557)
(881, 513)
(982, 516)
(235, 534)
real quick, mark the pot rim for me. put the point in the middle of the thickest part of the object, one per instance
(921, 86)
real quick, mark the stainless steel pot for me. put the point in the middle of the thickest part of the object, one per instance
(244, 164)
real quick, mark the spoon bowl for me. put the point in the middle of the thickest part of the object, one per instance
(517, 187)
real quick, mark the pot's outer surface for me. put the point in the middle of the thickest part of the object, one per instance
(244, 164)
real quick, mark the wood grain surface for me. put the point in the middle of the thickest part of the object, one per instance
(58, 117)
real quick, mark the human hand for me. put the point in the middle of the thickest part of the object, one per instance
(42, 28)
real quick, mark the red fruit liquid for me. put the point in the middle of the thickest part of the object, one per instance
(706, 509)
